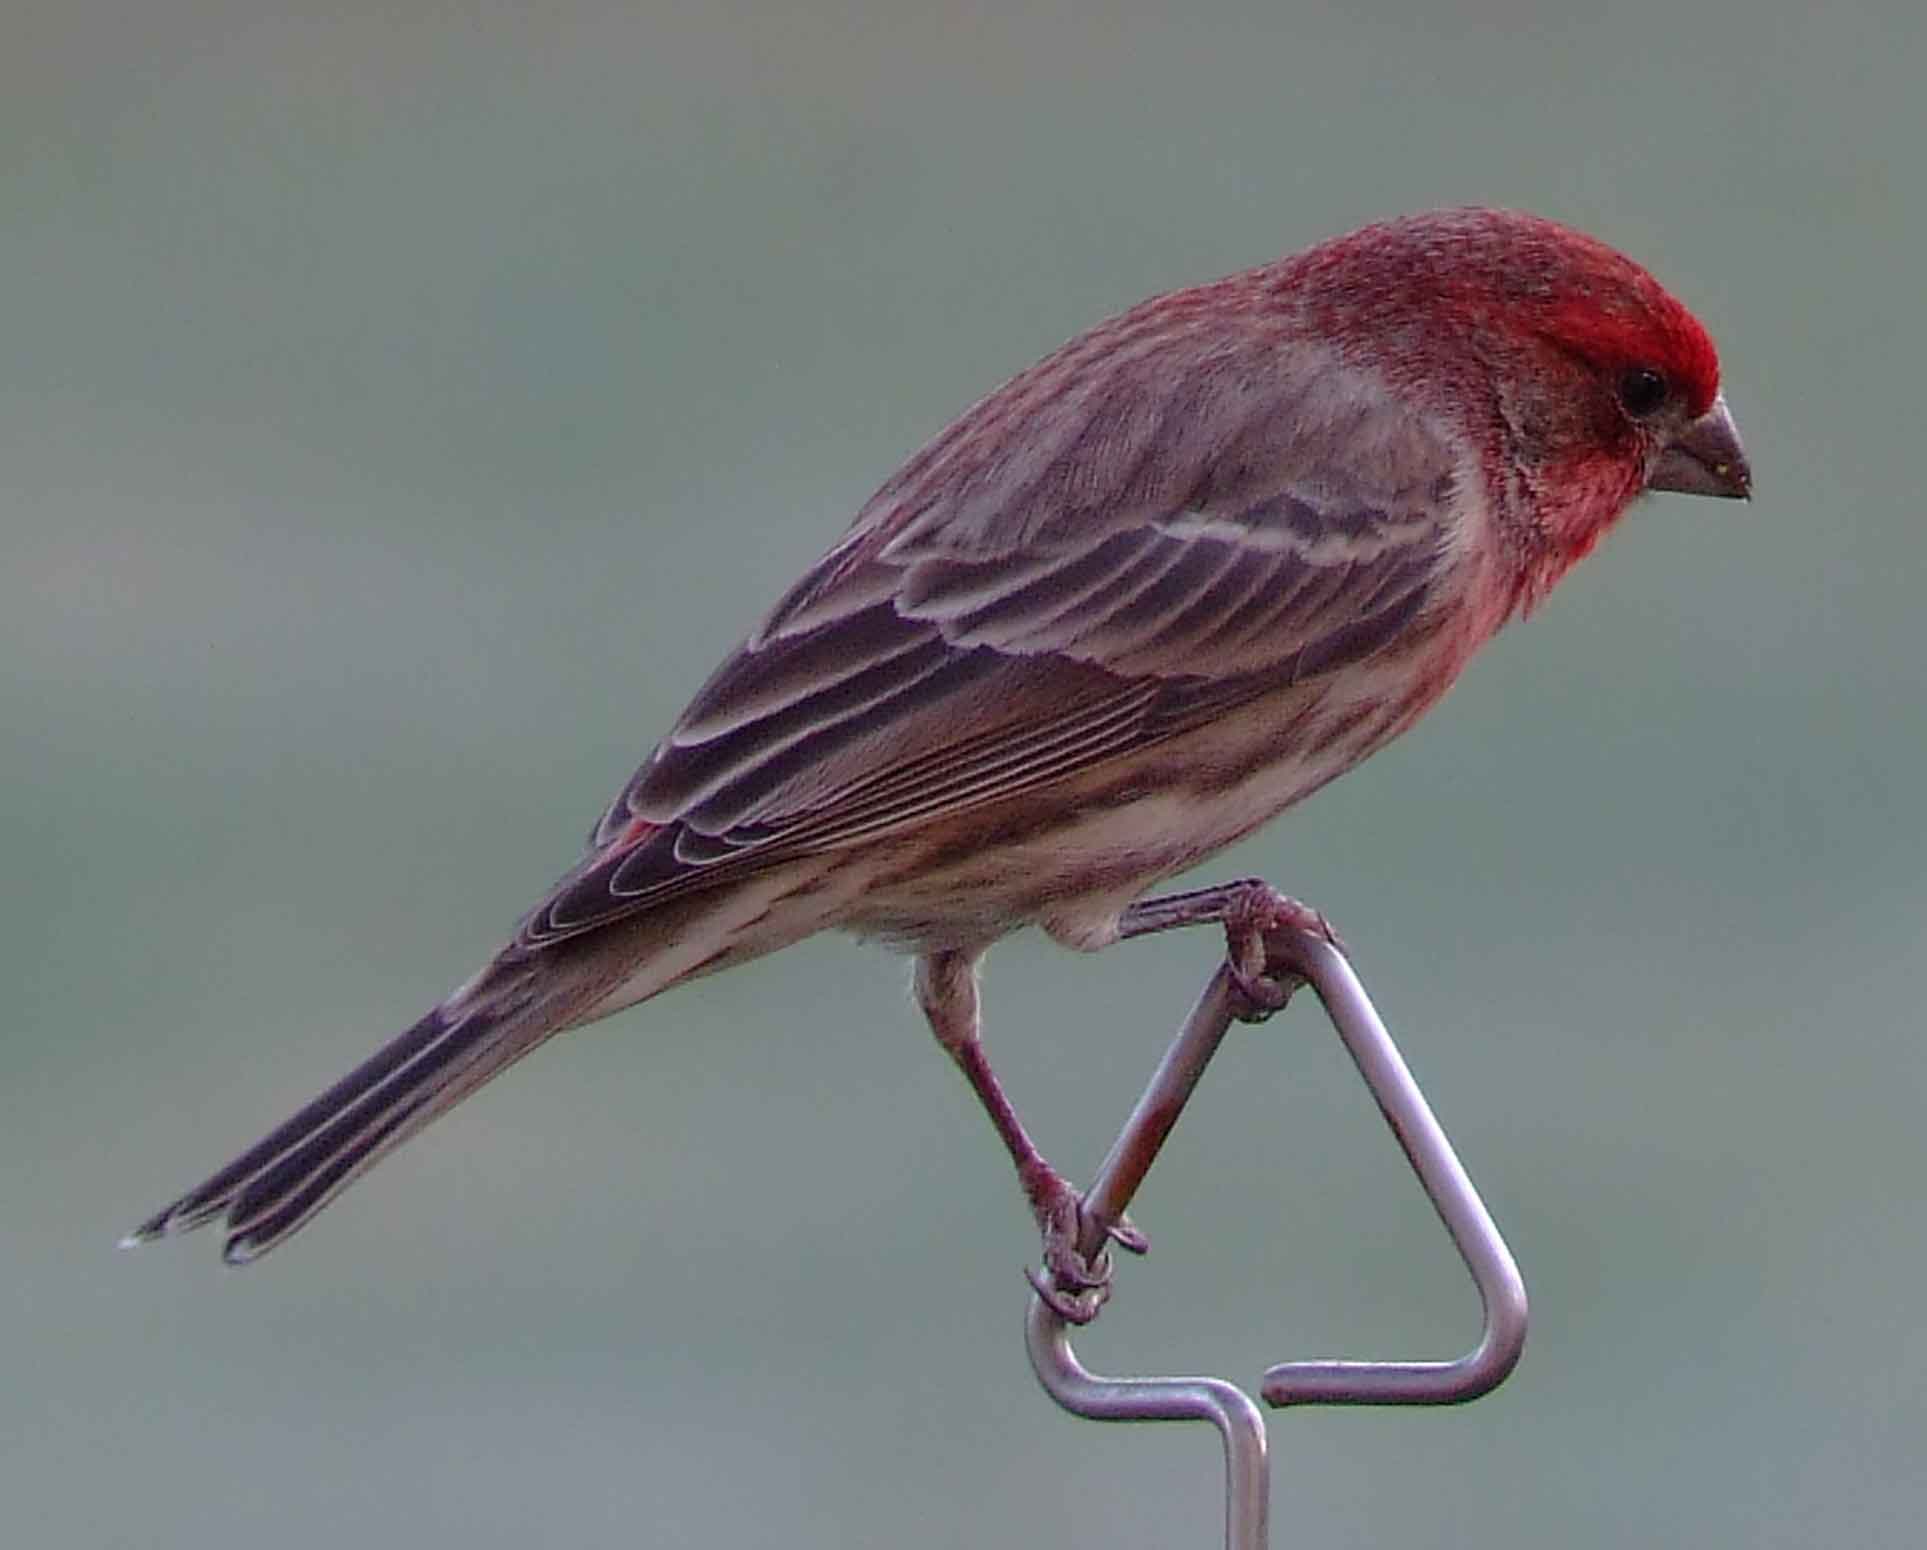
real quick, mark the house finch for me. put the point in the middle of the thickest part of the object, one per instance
(1146, 595)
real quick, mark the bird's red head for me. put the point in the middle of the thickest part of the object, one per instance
(1580, 379)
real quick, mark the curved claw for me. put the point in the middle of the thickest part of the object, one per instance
(1260, 996)
(1074, 1287)
(1070, 1271)
(1258, 913)
(1077, 1308)
(1127, 1235)
(1074, 1283)
(1261, 908)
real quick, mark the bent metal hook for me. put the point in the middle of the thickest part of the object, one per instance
(1305, 955)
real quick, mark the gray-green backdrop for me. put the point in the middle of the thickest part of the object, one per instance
(402, 407)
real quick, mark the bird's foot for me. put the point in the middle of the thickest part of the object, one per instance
(1073, 1285)
(1259, 911)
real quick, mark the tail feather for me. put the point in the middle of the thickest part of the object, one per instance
(524, 997)
(281, 1181)
(275, 1205)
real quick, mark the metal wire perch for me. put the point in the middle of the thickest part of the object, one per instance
(1291, 953)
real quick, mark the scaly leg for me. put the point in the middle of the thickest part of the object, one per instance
(1075, 1287)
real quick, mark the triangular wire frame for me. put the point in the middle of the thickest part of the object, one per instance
(1290, 953)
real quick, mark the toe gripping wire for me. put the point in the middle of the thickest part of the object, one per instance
(1291, 954)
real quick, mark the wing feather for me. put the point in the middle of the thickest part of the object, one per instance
(966, 641)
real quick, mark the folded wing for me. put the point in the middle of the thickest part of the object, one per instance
(1001, 616)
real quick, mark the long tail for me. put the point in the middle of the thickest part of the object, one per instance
(272, 1189)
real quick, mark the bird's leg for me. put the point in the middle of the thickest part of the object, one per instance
(1074, 1286)
(1247, 909)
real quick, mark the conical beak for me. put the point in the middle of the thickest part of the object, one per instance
(1706, 458)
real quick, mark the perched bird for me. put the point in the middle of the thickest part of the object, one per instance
(1143, 597)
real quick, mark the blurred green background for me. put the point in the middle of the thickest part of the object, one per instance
(402, 407)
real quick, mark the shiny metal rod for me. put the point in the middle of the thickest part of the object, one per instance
(1240, 1424)
(1502, 1291)
(1290, 952)
(1139, 1142)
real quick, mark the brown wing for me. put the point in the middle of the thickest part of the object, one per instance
(999, 619)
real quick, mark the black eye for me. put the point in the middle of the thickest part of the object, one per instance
(1641, 391)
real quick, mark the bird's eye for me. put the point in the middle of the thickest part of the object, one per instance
(1641, 391)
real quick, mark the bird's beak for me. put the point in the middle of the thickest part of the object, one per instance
(1706, 458)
